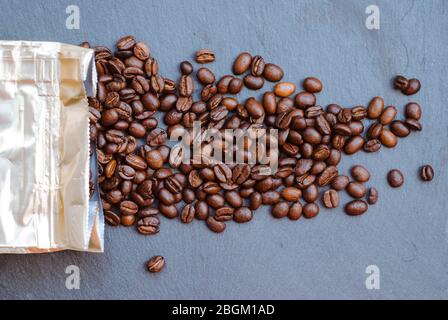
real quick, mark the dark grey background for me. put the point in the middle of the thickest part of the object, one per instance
(405, 234)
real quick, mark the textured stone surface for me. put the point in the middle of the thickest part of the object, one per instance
(404, 234)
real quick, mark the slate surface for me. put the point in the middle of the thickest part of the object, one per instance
(405, 234)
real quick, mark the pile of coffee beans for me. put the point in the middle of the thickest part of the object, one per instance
(140, 176)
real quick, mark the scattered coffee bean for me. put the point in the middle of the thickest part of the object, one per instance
(356, 207)
(427, 173)
(360, 173)
(395, 178)
(330, 199)
(205, 56)
(372, 197)
(156, 264)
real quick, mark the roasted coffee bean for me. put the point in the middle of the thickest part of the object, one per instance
(150, 101)
(304, 181)
(110, 168)
(233, 198)
(413, 111)
(374, 130)
(211, 187)
(395, 178)
(318, 167)
(388, 115)
(327, 176)
(254, 108)
(155, 264)
(312, 136)
(340, 182)
(240, 173)
(311, 193)
(360, 173)
(222, 172)
(372, 197)
(259, 172)
(310, 210)
(255, 201)
(136, 162)
(109, 117)
(375, 108)
(141, 51)
(154, 159)
(270, 102)
(215, 201)
(345, 115)
(291, 194)
(398, 128)
(354, 144)
(208, 91)
(321, 152)
(128, 208)
(356, 127)
(334, 158)
(224, 214)
(342, 129)
(257, 65)
(413, 124)
(322, 125)
(426, 173)
(166, 197)
(127, 221)
(272, 72)
(356, 207)
(186, 86)
(205, 56)
(295, 211)
(338, 141)
(223, 84)
(356, 190)
(330, 199)
(412, 88)
(201, 210)
(359, 113)
(304, 100)
(214, 225)
(188, 213)
(242, 215)
(111, 218)
(312, 84)
(147, 212)
(313, 112)
(284, 89)
(333, 109)
(270, 197)
(280, 210)
(186, 67)
(372, 145)
(242, 63)
(388, 139)
(400, 82)
(205, 76)
(235, 86)
(149, 225)
(253, 82)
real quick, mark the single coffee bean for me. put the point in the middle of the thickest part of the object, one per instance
(169, 212)
(148, 225)
(280, 210)
(372, 145)
(254, 108)
(223, 84)
(360, 173)
(242, 215)
(330, 199)
(272, 72)
(222, 172)
(312, 84)
(128, 208)
(372, 197)
(188, 213)
(205, 76)
(242, 63)
(356, 207)
(310, 210)
(311, 193)
(255, 201)
(295, 211)
(333, 109)
(224, 214)
(127, 221)
(395, 178)
(141, 51)
(345, 115)
(359, 113)
(413, 111)
(214, 225)
(258, 65)
(356, 190)
(375, 108)
(201, 210)
(334, 158)
(388, 139)
(305, 99)
(340, 182)
(327, 176)
(270, 197)
(111, 218)
(186, 86)
(235, 85)
(215, 201)
(186, 67)
(388, 115)
(356, 127)
(400, 82)
(155, 264)
(166, 197)
(233, 198)
(154, 159)
(427, 173)
(412, 88)
(354, 144)
(253, 82)
(413, 124)
(374, 130)
(205, 56)
(284, 89)
(291, 194)
(398, 128)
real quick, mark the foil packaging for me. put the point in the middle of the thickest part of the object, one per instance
(45, 160)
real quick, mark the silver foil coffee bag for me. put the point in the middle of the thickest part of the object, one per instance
(45, 160)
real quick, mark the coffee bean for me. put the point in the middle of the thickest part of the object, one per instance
(295, 211)
(255, 201)
(398, 128)
(128, 208)
(311, 193)
(413, 111)
(372, 145)
(280, 210)
(205, 56)
(141, 51)
(214, 225)
(304, 181)
(270, 197)
(372, 197)
(426, 173)
(205, 76)
(222, 172)
(356, 207)
(254, 108)
(359, 113)
(154, 159)
(375, 108)
(127, 221)
(327, 176)
(186, 67)
(345, 115)
(224, 214)
(155, 264)
(148, 225)
(147, 212)
(186, 86)
(401, 83)
(166, 197)
(215, 201)
(356, 190)
(360, 173)
(233, 198)
(235, 85)
(284, 89)
(242, 63)
(388, 115)
(388, 139)
(354, 144)
(111, 218)
(340, 182)
(310, 210)
(413, 124)
(291, 194)
(188, 213)
(258, 65)
(272, 72)
(412, 88)
(395, 178)
(312, 84)
(374, 130)
(253, 82)
(330, 199)
(201, 210)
